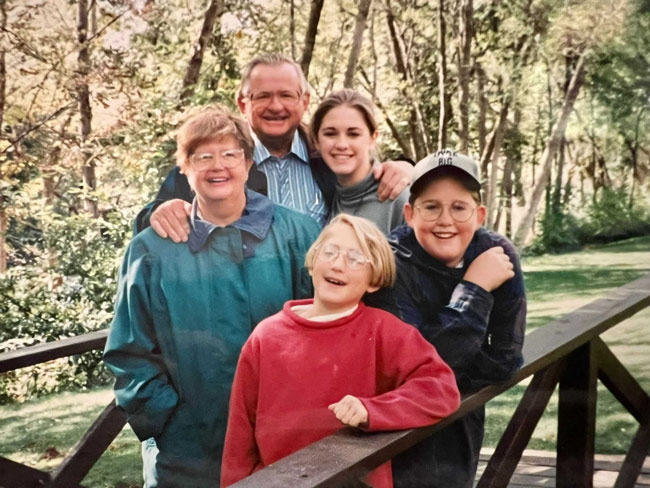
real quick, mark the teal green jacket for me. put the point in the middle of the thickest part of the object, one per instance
(183, 312)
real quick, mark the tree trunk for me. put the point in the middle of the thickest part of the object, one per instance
(482, 107)
(215, 10)
(465, 59)
(442, 77)
(499, 130)
(357, 40)
(552, 145)
(292, 28)
(85, 111)
(415, 122)
(310, 35)
(3, 82)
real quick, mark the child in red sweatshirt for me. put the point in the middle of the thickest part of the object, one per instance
(327, 362)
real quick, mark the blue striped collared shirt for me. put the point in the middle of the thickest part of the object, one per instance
(290, 181)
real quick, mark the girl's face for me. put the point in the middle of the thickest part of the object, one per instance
(341, 272)
(345, 142)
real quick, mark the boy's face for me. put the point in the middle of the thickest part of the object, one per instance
(445, 238)
(338, 284)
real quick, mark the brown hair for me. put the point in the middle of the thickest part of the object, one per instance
(373, 245)
(269, 59)
(208, 123)
(351, 98)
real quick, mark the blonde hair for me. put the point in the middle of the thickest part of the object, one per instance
(206, 124)
(373, 245)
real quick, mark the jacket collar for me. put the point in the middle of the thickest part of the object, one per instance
(256, 220)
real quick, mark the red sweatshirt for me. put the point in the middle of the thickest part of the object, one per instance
(292, 368)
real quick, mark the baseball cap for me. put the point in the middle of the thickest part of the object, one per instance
(446, 158)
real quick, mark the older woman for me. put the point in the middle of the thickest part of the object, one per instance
(183, 311)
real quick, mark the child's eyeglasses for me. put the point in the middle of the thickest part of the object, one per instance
(459, 211)
(354, 258)
(228, 159)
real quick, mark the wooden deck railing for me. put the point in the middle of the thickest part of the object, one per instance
(567, 351)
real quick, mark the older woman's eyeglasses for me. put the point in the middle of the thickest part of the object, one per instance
(228, 159)
(287, 98)
(432, 210)
(354, 258)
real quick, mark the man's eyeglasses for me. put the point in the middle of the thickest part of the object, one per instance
(287, 98)
(228, 159)
(354, 258)
(459, 211)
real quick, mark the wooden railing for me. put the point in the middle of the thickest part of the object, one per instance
(568, 351)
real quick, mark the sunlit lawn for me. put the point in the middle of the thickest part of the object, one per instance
(39, 432)
(563, 283)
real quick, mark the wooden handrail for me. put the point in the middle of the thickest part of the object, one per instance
(41, 353)
(347, 455)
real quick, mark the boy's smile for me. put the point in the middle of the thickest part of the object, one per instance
(445, 238)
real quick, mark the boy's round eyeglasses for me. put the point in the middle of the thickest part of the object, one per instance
(354, 258)
(228, 159)
(432, 211)
(263, 99)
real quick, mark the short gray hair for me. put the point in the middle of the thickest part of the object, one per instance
(269, 59)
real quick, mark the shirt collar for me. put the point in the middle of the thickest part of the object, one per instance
(255, 220)
(298, 148)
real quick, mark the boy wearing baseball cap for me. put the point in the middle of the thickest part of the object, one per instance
(462, 286)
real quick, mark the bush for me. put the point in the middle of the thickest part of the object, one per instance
(608, 218)
(51, 299)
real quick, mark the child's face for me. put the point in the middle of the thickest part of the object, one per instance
(345, 142)
(445, 238)
(339, 284)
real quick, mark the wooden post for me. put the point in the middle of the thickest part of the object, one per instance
(514, 440)
(577, 420)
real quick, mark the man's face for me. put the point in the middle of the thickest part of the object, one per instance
(274, 103)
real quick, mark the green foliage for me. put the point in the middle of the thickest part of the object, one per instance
(557, 233)
(66, 290)
(609, 217)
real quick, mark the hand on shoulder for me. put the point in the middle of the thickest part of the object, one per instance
(394, 176)
(170, 220)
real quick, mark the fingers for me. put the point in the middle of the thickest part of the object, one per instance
(395, 176)
(170, 220)
(491, 269)
(350, 411)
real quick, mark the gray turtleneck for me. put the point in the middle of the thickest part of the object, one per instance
(361, 200)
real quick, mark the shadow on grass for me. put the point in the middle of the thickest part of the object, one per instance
(636, 244)
(587, 281)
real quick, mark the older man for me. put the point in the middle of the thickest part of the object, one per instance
(273, 95)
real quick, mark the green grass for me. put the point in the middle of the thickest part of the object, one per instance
(556, 284)
(40, 432)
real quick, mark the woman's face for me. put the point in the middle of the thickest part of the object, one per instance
(345, 142)
(221, 170)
